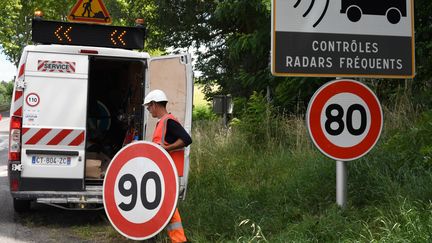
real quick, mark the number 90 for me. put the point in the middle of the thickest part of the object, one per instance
(133, 191)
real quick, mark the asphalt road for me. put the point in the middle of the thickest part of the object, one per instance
(43, 223)
(10, 230)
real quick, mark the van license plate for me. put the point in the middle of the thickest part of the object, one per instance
(51, 160)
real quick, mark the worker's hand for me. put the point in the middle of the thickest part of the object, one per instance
(164, 146)
(176, 145)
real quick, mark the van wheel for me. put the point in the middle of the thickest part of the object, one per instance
(21, 205)
(354, 13)
(393, 15)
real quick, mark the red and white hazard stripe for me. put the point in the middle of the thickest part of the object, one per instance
(48, 136)
(18, 103)
(42, 67)
(18, 97)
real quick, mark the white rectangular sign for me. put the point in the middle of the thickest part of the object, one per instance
(343, 38)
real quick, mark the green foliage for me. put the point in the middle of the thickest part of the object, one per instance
(423, 36)
(232, 43)
(256, 115)
(15, 22)
(16, 17)
(6, 92)
(414, 144)
(242, 192)
(262, 179)
(202, 113)
(231, 38)
(260, 121)
(236, 37)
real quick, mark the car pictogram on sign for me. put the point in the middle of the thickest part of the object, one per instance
(393, 10)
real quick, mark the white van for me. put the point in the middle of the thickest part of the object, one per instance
(74, 105)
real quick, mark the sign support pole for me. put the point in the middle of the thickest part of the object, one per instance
(341, 180)
(341, 183)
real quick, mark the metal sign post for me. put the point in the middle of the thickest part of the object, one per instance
(341, 183)
(341, 180)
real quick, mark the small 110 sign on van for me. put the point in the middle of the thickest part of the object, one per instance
(78, 97)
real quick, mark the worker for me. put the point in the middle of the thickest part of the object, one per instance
(171, 135)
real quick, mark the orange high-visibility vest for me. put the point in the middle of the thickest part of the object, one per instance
(159, 138)
(175, 227)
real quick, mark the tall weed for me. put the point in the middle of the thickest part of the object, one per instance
(264, 128)
(262, 180)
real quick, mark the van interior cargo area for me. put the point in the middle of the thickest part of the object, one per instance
(114, 111)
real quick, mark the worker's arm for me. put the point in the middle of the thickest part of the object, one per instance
(178, 144)
(176, 132)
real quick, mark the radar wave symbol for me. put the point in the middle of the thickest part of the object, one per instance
(310, 8)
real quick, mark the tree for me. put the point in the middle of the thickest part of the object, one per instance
(422, 86)
(6, 89)
(15, 22)
(16, 17)
(231, 40)
(236, 37)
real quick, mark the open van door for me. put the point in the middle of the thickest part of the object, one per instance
(54, 122)
(172, 74)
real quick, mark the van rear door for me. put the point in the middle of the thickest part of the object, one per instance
(172, 74)
(54, 122)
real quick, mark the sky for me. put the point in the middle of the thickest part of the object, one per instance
(7, 69)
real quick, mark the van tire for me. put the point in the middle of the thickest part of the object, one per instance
(21, 206)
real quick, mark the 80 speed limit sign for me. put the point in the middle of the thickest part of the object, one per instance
(140, 190)
(344, 119)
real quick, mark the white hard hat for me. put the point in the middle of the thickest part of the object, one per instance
(156, 96)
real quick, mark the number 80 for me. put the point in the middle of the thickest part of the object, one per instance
(331, 118)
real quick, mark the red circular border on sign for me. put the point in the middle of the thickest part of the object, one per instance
(146, 229)
(37, 101)
(314, 119)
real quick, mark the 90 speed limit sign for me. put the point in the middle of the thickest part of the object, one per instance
(140, 190)
(344, 119)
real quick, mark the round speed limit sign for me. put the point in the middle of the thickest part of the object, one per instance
(344, 119)
(140, 190)
(32, 99)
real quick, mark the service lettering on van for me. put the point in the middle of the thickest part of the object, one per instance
(56, 66)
